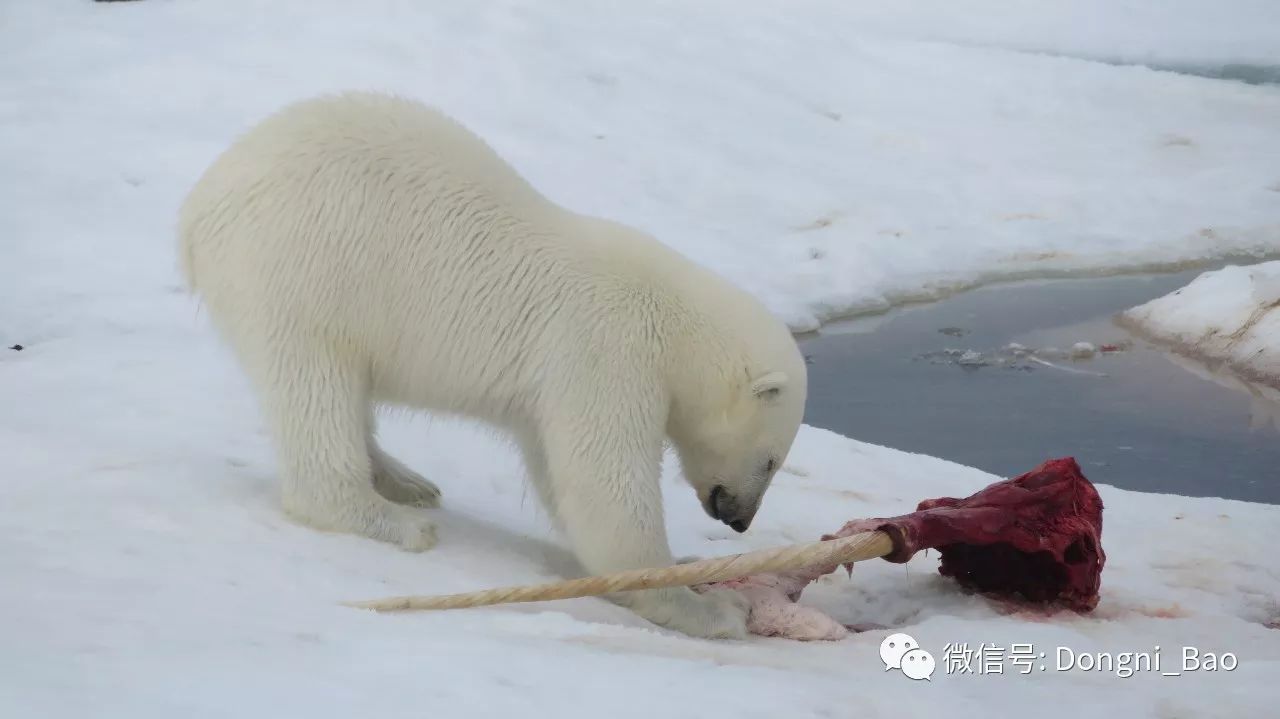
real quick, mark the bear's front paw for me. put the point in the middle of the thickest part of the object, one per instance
(715, 614)
(417, 535)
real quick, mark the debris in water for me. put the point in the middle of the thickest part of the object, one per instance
(1083, 350)
(1017, 356)
(954, 331)
(1072, 370)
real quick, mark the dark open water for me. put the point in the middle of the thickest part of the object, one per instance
(1139, 418)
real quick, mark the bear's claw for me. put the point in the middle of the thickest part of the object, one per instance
(402, 485)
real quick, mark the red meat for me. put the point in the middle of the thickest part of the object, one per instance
(1036, 538)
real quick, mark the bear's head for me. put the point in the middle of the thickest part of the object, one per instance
(735, 435)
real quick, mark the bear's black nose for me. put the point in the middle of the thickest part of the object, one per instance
(724, 507)
(720, 503)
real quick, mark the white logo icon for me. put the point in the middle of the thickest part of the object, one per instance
(918, 664)
(893, 647)
(902, 651)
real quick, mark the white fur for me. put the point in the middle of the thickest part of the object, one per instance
(362, 249)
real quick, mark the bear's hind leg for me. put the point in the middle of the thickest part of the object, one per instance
(318, 410)
(539, 476)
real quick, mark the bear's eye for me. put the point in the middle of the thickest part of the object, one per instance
(768, 466)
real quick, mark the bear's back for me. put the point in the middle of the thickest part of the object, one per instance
(370, 146)
(361, 191)
(392, 134)
(383, 225)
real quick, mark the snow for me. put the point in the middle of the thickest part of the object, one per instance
(829, 163)
(1227, 317)
(157, 578)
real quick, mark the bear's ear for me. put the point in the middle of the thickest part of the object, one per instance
(768, 386)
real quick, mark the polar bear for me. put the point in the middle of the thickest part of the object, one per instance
(361, 249)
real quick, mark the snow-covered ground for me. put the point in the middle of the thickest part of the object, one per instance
(148, 573)
(818, 154)
(1191, 35)
(828, 157)
(1226, 317)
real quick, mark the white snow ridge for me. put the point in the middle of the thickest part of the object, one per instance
(1230, 316)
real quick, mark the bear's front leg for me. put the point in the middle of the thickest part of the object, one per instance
(608, 499)
(715, 614)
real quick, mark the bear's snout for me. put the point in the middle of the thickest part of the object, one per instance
(724, 506)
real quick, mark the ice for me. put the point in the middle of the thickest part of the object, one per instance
(1083, 350)
(1226, 317)
(828, 161)
(1190, 35)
